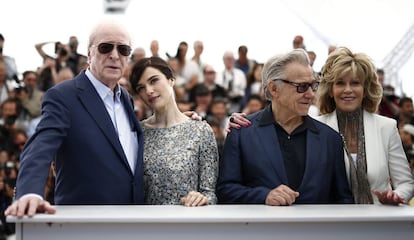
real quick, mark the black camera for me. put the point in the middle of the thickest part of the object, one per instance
(62, 52)
(10, 120)
(410, 154)
(19, 89)
(8, 167)
(60, 49)
(388, 92)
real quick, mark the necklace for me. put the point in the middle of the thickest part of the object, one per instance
(351, 127)
(348, 124)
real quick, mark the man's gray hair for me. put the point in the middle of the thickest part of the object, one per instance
(274, 68)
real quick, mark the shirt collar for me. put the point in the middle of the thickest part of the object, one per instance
(267, 118)
(101, 88)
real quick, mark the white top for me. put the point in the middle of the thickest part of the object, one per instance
(386, 160)
(238, 79)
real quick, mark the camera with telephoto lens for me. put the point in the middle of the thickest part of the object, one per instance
(21, 88)
(60, 49)
(388, 92)
(8, 166)
(63, 52)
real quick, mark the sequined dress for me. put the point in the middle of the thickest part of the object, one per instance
(178, 160)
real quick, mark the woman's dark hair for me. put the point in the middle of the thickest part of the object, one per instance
(154, 62)
(250, 77)
(404, 100)
(179, 55)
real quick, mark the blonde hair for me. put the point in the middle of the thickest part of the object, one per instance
(341, 62)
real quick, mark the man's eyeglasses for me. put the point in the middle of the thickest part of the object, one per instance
(105, 48)
(301, 87)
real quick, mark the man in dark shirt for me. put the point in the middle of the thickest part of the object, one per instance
(285, 156)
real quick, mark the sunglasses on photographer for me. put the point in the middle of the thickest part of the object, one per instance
(105, 48)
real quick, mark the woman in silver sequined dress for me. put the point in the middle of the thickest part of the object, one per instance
(180, 154)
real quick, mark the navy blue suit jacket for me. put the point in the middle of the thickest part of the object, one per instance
(252, 165)
(77, 132)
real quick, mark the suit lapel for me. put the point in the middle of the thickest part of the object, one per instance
(270, 143)
(129, 108)
(96, 109)
(371, 139)
(313, 150)
(332, 120)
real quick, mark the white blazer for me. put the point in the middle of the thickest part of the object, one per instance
(386, 160)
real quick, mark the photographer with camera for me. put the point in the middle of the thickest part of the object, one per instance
(12, 145)
(407, 139)
(12, 142)
(29, 94)
(8, 174)
(12, 117)
(10, 63)
(389, 103)
(5, 200)
(51, 65)
(4, 86)
(77, 62)
(405, 112)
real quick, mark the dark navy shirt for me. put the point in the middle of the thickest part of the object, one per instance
(292, 146)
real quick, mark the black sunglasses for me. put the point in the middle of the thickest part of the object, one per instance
(105, 48)
(301, 87)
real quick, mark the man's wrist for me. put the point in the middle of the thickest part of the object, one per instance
(31, 195)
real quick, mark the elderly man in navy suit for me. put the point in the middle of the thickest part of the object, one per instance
(89, 129)
(285, 156)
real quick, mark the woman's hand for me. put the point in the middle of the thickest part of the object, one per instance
(238, 120)
(389, 197)
(193, 115)
(194, 199)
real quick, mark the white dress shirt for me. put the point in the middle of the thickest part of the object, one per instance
(113, 104)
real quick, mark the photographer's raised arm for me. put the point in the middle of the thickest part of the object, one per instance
(39, 49)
